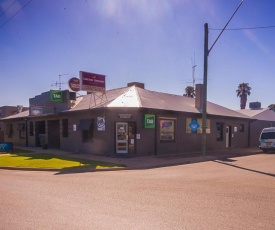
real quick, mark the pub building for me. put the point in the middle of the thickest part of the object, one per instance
(128, 121)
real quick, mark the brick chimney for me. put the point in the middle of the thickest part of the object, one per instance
(137, 84)
(199, 96)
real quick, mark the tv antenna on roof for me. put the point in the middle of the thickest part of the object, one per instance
(59, 83)
(193, 70)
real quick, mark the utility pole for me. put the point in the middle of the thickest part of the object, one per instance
(205, 69)
(204, 107)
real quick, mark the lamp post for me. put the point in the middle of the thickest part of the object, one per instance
(205, 68)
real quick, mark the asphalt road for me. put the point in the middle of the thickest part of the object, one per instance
(237, 193)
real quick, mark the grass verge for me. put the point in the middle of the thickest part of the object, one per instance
(27, 159)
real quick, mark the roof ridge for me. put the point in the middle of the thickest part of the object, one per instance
(138, 95)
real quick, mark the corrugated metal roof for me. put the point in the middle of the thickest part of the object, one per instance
(157, 100)
(264, 114)
(137, 97)
(18, 115)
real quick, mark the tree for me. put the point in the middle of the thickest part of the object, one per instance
(242, 92)
(189, 92)
(272, 107)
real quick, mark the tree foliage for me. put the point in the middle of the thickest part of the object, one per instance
(243, 91)
(189, 92)
(272, 107)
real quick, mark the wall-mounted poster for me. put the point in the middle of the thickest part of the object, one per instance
(101, 123)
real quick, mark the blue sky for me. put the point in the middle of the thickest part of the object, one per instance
(153, 42)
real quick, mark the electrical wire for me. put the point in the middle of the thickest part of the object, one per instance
(8, 8)
(15, 14)
(247, 28)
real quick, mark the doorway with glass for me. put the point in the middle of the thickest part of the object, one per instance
(125, 137)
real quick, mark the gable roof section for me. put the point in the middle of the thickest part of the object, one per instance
(157, 100)
(18, 115)
(264, 114)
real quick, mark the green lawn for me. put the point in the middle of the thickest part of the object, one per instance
(27, 159)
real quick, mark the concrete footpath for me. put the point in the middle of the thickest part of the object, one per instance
(155, 161)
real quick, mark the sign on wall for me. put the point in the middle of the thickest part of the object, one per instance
(194, 125)
(92, 82)
(167, 129)
(56, 96)
(101, 123)
(35, 111)
(6, 146)
(149, 121)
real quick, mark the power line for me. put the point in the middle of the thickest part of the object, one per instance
(15, 14)
(248, 28)
(8, 8)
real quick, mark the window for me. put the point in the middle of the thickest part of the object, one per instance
(241, 129)
(31, 128)
(21, 129)
(65, 128)
(167, 130)
(219, 131)
(86, 127)
(9, 130)
(194, 125)
(269, 135)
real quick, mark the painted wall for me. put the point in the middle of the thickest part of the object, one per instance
(147, 141)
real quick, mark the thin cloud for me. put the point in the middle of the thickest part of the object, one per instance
(126, 12)
(253, 38)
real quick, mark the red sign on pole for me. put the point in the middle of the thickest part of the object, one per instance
(92, 82)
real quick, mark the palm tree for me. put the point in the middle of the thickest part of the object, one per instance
(242, 92)
(272, 107)
(189, 92)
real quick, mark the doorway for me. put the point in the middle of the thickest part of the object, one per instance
(54, 134)
(125, 137)
(40, 129)
(228, 136)
(122, 137)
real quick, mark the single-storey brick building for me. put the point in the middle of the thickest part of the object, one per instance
(128, 121)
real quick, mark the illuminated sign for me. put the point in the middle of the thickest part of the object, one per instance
(74, 84)
(92, 82)
(56, 96)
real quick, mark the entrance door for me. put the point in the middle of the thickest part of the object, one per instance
(40, 128)
(228, 136)
(122, 137)
(54, 134)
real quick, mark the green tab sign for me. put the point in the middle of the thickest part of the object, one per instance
(149, 121)
(56, 96)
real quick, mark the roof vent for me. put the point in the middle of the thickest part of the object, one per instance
(137, 84)
(255, 105)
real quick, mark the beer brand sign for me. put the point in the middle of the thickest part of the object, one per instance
(74, 84)
(92, 82)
